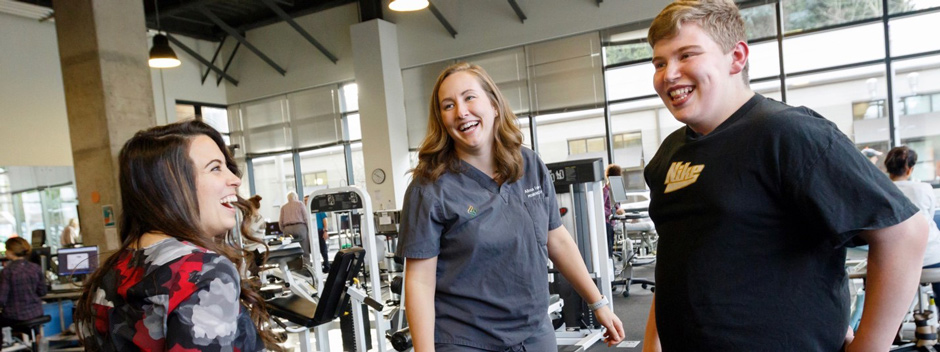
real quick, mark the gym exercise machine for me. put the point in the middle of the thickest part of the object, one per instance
(337, 292)
(579, 187)
(357, 204)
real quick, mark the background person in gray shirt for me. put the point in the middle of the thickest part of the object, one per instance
(479, 222)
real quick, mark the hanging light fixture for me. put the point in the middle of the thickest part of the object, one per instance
(161, 54)
(407, 5)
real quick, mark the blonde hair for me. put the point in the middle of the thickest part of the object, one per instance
(720, 19)
(437, 154)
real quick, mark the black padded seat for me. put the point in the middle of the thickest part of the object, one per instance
(289, 252)
(346, 265)
(295, 309)
(30, 327)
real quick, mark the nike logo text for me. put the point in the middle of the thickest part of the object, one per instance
(681, 175)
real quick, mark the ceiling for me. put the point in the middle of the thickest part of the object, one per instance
(216, 20)
(213, 20)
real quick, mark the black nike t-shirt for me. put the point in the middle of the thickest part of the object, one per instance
(753, 220)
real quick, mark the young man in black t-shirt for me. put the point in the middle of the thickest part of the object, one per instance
(755, 202)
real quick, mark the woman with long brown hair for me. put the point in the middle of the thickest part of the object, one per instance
(479, 221)
(174, 283)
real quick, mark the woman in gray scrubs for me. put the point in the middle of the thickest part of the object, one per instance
(479, 223)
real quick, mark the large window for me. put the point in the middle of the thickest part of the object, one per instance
(301, 142)
(834, 62)
(832, 59)
(273, 178)
(7, 218)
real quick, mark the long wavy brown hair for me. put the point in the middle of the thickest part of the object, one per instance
(158, 194)
(437, 154)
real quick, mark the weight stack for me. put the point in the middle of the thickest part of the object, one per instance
(348, 329)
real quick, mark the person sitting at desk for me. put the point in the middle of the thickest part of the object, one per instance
(174, 284)
(21, 285)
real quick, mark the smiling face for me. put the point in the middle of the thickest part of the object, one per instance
(699, 83)
(467, 113)
(215, 186)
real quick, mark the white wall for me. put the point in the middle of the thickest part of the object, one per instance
(306, 66)
(482, 26)
(486, 25)
(33, 123)
(184, 82)
(33, 119)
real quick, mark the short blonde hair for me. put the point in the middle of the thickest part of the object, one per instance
(720, 19)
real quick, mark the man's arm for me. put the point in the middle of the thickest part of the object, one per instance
(564, 254)
(895, 257)
(651, 338)
(420, 283)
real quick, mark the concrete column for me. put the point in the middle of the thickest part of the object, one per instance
(381, 110)
(103, 50)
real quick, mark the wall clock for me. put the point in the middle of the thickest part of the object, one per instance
(378, 176)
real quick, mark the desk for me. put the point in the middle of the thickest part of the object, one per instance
(59, 296)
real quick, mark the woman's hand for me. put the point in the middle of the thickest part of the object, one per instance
(609, 320)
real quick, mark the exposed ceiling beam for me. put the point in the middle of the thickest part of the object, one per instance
(188, 20)
(214, 56)
(196, 55)
(228, 62)
(440, 17)
(183, 7)
(283, 15)
(515, 7)
(322, 7)
(241, 39)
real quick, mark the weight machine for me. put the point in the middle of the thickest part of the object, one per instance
(338, 288)
(579, 186)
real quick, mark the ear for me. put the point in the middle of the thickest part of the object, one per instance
(739, 56)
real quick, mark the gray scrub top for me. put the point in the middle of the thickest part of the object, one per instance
(491, 243)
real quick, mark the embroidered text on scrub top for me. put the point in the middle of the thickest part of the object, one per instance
(534, 191)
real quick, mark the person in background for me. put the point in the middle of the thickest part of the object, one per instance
(21, 285)
(755, 202)
(256, 221)
(70, 236)
(480, 221)
(293, 221)
(871, 154)
(174, 283)
(900, 164)
(610, 207)
(324, 238)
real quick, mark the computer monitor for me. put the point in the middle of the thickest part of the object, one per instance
(272, 229)
(39, 238)
(78, 261)
(617, 192)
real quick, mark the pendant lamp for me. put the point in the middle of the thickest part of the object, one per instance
(407, 5)
(161, 54)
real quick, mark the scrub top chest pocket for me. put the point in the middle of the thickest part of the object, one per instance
(537, 207)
